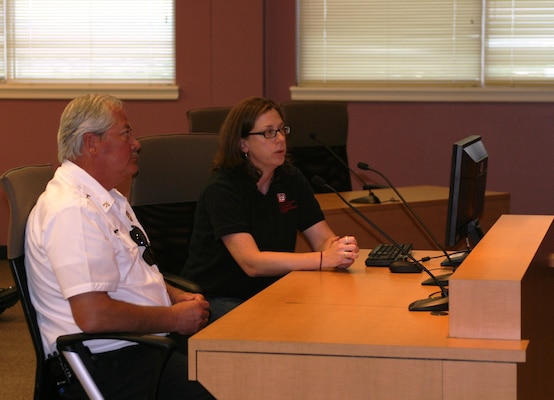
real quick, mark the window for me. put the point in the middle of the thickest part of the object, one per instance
(99, 43)
(415, 44)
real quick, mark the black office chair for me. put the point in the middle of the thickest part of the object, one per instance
(8, 298)
(23, 186)
(328, 120)
(207, 119)
(173, 169)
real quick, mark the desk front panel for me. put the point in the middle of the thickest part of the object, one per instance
(270, 376)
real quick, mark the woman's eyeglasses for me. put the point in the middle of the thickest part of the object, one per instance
(139, 238)
(271, 133)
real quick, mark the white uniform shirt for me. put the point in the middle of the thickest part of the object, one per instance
(77, 241)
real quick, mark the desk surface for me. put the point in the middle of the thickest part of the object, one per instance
(342, 319)
(364, 310)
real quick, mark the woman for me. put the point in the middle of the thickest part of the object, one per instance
(250, 211)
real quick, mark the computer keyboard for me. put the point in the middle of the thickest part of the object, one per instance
(385, 253)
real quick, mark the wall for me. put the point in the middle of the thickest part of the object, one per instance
(411, 143)
(219, 61)
(227, 50)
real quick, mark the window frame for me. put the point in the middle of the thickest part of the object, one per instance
(70, 90)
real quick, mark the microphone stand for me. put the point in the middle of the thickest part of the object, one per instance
(429, 304)
(442, 279)
(370, 198)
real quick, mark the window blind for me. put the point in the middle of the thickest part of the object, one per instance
(2, 43)
(520, 42)
(90, 42)
(450, 43)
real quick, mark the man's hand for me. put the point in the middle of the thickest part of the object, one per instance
(193, 313)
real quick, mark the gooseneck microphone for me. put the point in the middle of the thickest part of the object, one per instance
(442, 279)
(370, 198)
(428, 304)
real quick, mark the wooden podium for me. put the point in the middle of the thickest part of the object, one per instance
(429, 202)
(503, 291)
(335, 334)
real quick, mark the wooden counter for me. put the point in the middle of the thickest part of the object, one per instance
(335, 334)
(429, 202)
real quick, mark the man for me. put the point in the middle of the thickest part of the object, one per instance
(88, 273)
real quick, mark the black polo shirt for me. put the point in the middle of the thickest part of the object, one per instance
(231, 203)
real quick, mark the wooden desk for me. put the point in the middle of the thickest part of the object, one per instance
(349, 335)
(429, 202)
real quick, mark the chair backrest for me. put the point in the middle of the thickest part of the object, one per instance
(207, 119)
(173, 169)
(23, 187)
(328, 120)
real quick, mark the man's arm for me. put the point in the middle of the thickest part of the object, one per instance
(97, 312)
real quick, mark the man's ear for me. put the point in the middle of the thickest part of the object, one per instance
(90, 141)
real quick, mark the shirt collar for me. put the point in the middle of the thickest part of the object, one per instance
(90, 187)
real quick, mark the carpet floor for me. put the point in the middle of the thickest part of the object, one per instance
(17, 357)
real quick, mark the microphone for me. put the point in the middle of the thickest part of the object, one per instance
(370, 198)
(428, 304)
(442, 279)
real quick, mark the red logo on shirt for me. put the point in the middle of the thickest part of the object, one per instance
(285, 205)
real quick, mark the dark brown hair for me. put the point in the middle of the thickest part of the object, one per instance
(237, 125)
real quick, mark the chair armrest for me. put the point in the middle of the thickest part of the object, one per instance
(162, 342)
(79, 358)
(181, 283)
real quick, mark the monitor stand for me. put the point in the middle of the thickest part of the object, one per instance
(453, 262)
(442, 279)
(474, 233)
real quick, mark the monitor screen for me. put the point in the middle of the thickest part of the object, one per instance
(466, 202)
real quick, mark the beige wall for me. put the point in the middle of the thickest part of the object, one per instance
(227, 50)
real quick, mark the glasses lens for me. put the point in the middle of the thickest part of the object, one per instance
(270, 133)
(148, 256)
(139, 238)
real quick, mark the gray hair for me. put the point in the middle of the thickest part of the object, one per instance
(88, 113)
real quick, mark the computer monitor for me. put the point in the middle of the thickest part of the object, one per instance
(466, 201)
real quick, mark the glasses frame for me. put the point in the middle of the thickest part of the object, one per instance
(272, 133)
